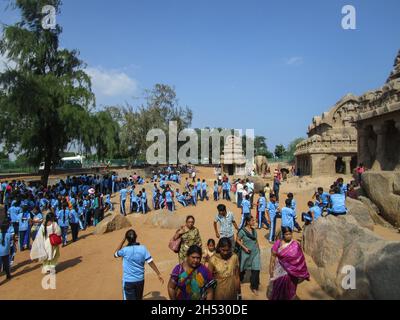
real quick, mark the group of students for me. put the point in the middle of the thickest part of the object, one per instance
(73, 204)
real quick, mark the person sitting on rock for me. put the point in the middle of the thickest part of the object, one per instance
(312, 215)
(337, 203)
(324, 198)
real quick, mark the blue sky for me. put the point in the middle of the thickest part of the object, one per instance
(264, 65)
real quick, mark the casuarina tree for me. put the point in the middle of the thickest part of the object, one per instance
(45, 95)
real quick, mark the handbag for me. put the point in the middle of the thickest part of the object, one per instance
(55, 240)
(175, 245)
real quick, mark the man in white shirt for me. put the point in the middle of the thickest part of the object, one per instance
(239, 193)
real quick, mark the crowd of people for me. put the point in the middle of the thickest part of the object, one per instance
(38, 218)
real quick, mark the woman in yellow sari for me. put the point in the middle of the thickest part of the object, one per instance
(224, 266)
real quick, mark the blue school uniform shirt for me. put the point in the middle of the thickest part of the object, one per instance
(293, 206)
(204, 186)
(317, 212)
(325, 198)
(198, 185)
(194, 192)
(144, 196)
(133, 196)
(24, 221)
(73, 216)
(262, 204)
(288, 216)
(123, 192)
(246, 206)
(134, 258)
(215, 187)
(343, 189)
(338, 202)
(5, 249)
(14, 213)
(272, 208)
(43, 203)
(63, 218)
(168, 196)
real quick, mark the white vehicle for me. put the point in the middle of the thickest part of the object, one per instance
(67, 163)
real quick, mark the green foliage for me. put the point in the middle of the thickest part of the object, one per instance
(45, 100)
(292, 148)
(161, 107)
(280, 151)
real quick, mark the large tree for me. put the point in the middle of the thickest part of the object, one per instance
(45, 100)
(162, 106)
(280, 151)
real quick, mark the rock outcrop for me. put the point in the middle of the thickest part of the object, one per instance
(337, 242)
(361, 213)
(166, 220)
(383, 188)
(112, 223)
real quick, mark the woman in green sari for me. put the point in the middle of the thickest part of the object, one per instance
(189, 235)
(249, 253)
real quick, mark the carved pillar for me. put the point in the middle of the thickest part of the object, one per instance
(397, 125)
(380, 130)
(347, 161)
(363, 150)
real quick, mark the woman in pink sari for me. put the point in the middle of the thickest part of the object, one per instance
(290, 270)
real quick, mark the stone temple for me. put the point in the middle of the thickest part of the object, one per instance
(363, 129)
(233, 161)
(331, 146)
(378, 125)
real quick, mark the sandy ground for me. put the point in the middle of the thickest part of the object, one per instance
(88, 270)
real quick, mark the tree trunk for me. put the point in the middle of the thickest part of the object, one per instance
(46, 171)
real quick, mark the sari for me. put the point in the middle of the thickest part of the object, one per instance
(43, 250)
(290, 269)
(188, 239)
(190, 283)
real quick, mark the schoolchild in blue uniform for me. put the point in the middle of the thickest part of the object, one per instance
(63, 222)
(246, 210)
(262, 206)
(272, 214)
(74, 222)
(216, 196)
(5, 248)
(294, 207)
(143, 201)
(24, 232)
(123, 195)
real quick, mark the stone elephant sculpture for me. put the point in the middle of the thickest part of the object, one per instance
(261, 165)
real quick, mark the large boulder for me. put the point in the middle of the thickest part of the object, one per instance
(259, 184)
(112, 223)
(374, 212)
(165, 220)
(336, 242)
(360, 212)
(383, 188)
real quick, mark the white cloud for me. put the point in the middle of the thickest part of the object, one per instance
(4, 63)
(112, 83)
(294, 61)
